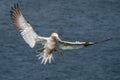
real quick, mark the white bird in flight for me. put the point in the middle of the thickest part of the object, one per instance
(51, 43)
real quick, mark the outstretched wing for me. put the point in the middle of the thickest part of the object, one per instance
(27, 32)
(75, 45)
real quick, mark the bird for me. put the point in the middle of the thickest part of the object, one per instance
(50, 44)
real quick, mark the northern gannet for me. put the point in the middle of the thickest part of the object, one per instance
(50, 43)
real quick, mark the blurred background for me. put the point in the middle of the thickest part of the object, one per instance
(73, 20)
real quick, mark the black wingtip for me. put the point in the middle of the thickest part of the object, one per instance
(12, 8)
(104, 40)
(15, 11)
(15, 8)
(16, 5)
(89, 43)
(11, 12)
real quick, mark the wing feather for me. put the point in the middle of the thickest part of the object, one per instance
(27, 32)
(76, 45)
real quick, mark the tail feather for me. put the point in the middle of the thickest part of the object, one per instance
(40, 55)
(45, 55)
(45, 59)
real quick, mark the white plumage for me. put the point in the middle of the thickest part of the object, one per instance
(50, 43)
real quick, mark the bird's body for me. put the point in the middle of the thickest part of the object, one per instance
(49, 47)
(52, 43)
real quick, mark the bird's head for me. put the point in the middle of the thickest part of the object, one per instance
(54, 35)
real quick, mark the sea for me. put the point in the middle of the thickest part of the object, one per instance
(73, 20)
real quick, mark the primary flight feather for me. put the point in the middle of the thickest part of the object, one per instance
(50, 43)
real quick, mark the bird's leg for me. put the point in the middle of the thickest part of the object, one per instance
(40, 50)
(60, 52)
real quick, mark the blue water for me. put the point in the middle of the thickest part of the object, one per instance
(83, 20)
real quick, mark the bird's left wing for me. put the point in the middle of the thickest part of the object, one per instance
(27, 32)
(75, 45)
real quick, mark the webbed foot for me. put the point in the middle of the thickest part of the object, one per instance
(60, 52)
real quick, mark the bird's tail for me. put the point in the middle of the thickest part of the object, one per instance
(46, 55)
(48, 58)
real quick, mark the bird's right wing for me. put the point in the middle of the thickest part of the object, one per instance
(27, 32)
(76, 45)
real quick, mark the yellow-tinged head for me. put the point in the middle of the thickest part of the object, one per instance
(54, 34)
